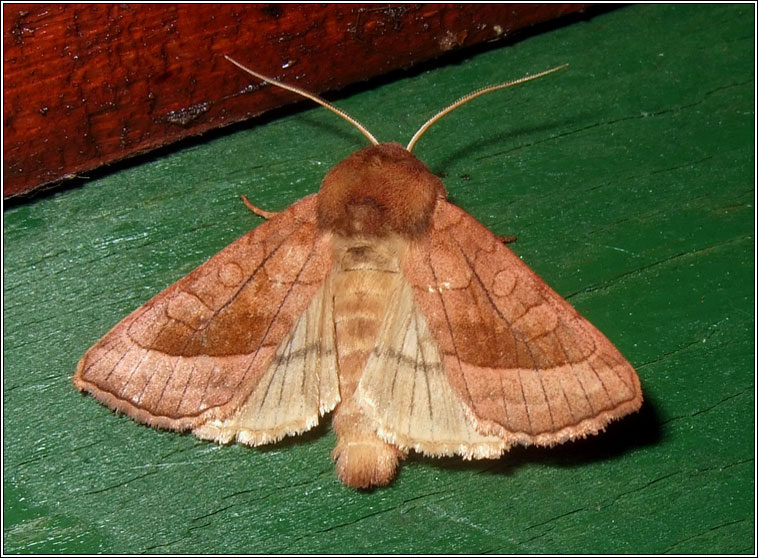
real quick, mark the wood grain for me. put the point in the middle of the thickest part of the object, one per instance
(629, 182)
(88, 85)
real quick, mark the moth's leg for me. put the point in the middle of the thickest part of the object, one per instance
(257, 210)
(507, 239)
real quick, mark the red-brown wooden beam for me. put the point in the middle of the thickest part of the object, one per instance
(87, 85)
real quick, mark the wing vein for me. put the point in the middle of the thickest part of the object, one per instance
(450, 330)
(420, 355)
(277, 313)
(492, 304)
(599, 378)
(576, 377)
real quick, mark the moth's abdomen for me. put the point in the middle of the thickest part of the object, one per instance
(366, 275)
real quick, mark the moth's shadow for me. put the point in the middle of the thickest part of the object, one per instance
(640, 430)
(510, 140)
(335, 129)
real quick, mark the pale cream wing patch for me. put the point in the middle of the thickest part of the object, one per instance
(405, 390)
(299, 385)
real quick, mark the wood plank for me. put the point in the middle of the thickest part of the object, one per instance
(88, 85)
(629, 181)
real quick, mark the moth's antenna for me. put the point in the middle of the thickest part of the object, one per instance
(310, 96)
(467, 98)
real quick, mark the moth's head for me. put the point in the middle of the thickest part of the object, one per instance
(379, 190)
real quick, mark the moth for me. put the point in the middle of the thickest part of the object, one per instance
(376, 300)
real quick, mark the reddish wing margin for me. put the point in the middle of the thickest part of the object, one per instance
(527, 366)
(197, 350)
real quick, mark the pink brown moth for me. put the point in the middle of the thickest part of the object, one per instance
(376, 300)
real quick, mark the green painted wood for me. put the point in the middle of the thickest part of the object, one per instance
(628, 179)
